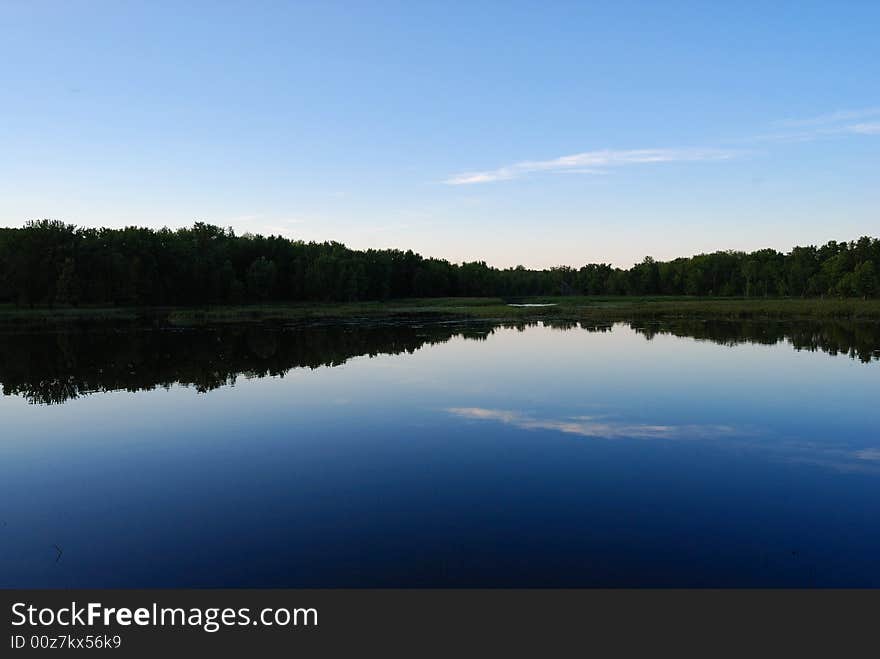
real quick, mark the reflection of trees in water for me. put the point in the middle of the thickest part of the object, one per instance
(55, 367)
(859, 340)
(58, 366)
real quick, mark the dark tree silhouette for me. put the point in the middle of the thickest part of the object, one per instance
(49, 262)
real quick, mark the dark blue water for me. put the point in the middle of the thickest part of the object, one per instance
(523, 456)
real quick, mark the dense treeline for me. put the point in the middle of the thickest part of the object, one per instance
(53, 263)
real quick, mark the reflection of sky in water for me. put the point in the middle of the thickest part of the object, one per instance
(458, 465)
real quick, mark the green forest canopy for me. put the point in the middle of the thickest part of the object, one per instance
(49, 262)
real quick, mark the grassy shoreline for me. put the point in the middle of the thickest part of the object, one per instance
(566, 308)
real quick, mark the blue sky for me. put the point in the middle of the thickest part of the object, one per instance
(533, 133)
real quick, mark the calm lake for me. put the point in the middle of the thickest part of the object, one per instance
(447, 454)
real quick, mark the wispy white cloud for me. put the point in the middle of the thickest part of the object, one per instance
(837, 117)
(590, 162)
(839, 123)
(866, 128)
(823, 126)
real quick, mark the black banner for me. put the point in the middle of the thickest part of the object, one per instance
(454, 622)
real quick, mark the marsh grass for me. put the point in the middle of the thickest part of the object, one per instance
(573, 308)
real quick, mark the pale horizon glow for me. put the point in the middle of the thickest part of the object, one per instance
(506, 133)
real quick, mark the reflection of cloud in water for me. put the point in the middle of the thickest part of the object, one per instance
(830, 455)
(592, 426)
(868, 454)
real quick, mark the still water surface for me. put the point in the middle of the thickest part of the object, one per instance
(696, 454)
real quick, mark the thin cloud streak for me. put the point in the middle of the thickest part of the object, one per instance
(818, 132)
(866, 129)
(826, 125)
(590, 162)
(832, 118)
(601, 161)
